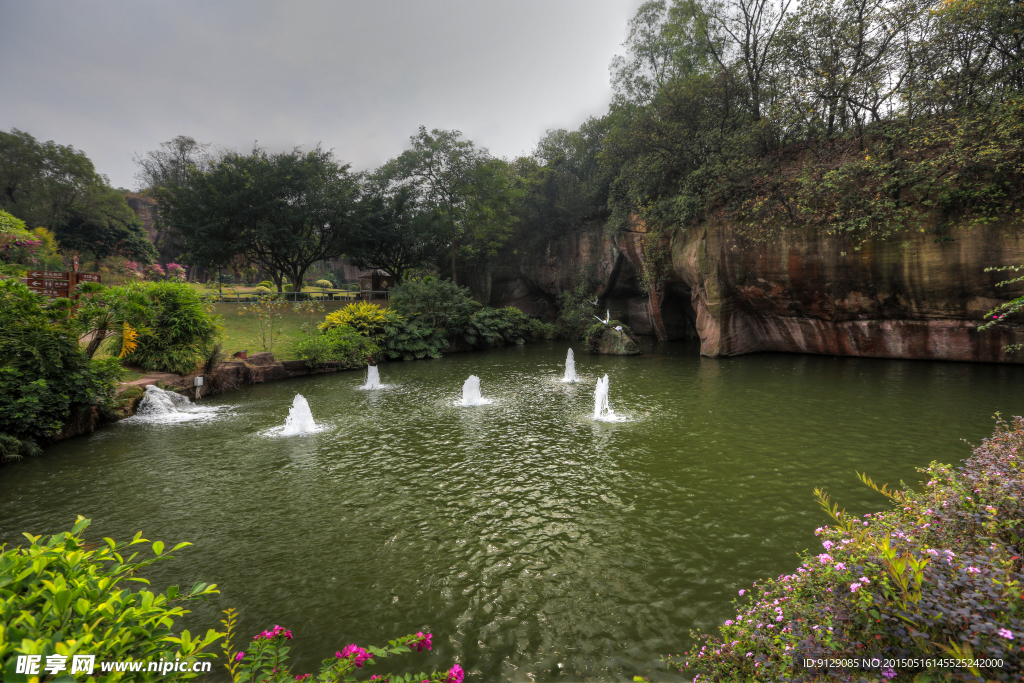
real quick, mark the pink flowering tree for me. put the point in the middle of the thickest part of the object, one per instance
(265, 659)
(175, 271)
(154, 271)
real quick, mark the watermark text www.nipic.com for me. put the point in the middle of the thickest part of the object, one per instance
(87, 664)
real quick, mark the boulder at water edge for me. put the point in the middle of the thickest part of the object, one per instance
(617, 343)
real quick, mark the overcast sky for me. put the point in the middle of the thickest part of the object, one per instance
(115, 78)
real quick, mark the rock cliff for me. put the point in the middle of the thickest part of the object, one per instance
(907, 297)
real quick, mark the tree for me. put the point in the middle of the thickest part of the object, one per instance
(283, 211)
(169, 166)
(56, 187)
(472, 192)
(394, 235)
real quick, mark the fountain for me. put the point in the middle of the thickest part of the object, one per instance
(471, 393)
(372, 378)
(300, 418)
(161, 406)
(570, 368)
(601, 409)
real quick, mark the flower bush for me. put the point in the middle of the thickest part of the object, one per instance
(154, 271)
(62, 596)
(175, 272)
(936, 576)
(265, 659)
(20, 249)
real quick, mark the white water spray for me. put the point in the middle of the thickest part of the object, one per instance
(300, 418)
(160, 406)
(602, 411)
(570, 368)
(372, 378)
(471, 393)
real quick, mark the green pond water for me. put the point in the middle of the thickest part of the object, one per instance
(534, 542)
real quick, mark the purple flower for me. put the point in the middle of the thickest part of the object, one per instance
(455, 675)
(888, 673)
(1005, 633)
(239, 656)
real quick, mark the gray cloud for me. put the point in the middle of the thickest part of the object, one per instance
(360, 77)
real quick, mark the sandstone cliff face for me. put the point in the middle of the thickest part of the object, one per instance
(908, 297)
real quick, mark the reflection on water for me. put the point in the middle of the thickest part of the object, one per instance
(533, 541)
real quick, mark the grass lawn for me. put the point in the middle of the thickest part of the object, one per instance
(240, 331)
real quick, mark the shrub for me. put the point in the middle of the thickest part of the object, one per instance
(493, 326)
(176, 332)
(265, 659)
(45, 376)
(154, 271)
(324, 284)
(287, 288)
(61, 597)
(367, 319)
(268, 284)
(936, 576)
(340, 344)
(438, 303)
(412, 340)
(262, 291)
(576, 308)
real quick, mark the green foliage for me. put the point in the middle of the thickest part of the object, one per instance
(176, 331)
(938, 575)
(56, 187)
(338, 344)
(412, 339)
(13, 448)
(395, 234)
(324, 284)
(465, 191)
(494, 326)
(45, 377)
(284, 212)
(62, 596)
(369, 320)
(438, 303)
(576, 308)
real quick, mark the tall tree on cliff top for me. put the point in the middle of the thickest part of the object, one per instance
(471, 191)
(56, 187)
(283, 211)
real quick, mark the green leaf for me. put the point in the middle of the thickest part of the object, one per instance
(158, 547)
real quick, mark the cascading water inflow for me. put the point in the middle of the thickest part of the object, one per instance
(372, 378)
(602, 411)
(570, 368)
(471, 393)
(160, 406)
(300, 418)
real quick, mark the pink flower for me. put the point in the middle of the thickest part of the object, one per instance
(840, 566)
(359, 654)
(1005, 633)
(455, 675)
(421, 641)
(239, 656)
(854, 587)
(302, 677)
(974, 570)
(827, 544)
(742, 591)
(728, 622)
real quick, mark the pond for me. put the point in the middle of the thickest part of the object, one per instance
(534, 542)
